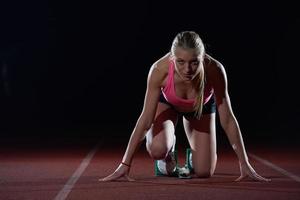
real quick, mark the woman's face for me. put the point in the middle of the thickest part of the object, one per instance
(187, 63)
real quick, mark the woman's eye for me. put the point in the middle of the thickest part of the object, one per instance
(180, 62)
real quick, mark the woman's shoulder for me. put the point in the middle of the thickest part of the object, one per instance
(162, 64)
(214, 69)
(211, 62)
(212, 65)
(159, 69)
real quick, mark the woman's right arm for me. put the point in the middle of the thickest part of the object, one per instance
(144, 122)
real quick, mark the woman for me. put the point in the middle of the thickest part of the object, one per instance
(186, 82)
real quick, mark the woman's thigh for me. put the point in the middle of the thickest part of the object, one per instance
(201, 135)
(160, 137)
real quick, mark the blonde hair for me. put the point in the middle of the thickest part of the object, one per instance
(191, 40)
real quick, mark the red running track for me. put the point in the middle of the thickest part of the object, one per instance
(43, 172)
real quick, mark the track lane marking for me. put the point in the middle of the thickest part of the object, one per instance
(64, 192)
(275, 167)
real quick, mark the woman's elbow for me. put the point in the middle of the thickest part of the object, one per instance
(147, 126)
(145, 123)
(227, 122)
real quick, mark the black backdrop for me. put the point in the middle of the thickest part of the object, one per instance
(81, 67)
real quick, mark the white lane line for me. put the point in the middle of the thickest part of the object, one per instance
(273, 166)
(62, 195)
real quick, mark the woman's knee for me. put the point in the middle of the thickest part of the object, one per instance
(157, 150)
(159, 145)
(207, 171)
(204, 173)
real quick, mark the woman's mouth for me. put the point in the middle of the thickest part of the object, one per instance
(188, 75)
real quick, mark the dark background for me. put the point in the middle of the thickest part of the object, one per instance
(79, 68)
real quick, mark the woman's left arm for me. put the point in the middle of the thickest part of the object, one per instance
(229, 123)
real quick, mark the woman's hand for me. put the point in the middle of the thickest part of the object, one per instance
(248, 172)
(121, 171)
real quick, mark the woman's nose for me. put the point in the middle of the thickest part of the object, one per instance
(188, 67)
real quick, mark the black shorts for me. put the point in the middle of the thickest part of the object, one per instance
(208, 108)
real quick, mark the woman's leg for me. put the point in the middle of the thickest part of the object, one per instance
(201, 135)
(160, 138)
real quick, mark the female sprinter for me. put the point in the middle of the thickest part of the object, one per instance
(190, 83)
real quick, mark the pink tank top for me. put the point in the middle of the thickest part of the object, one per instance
(170, 95)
